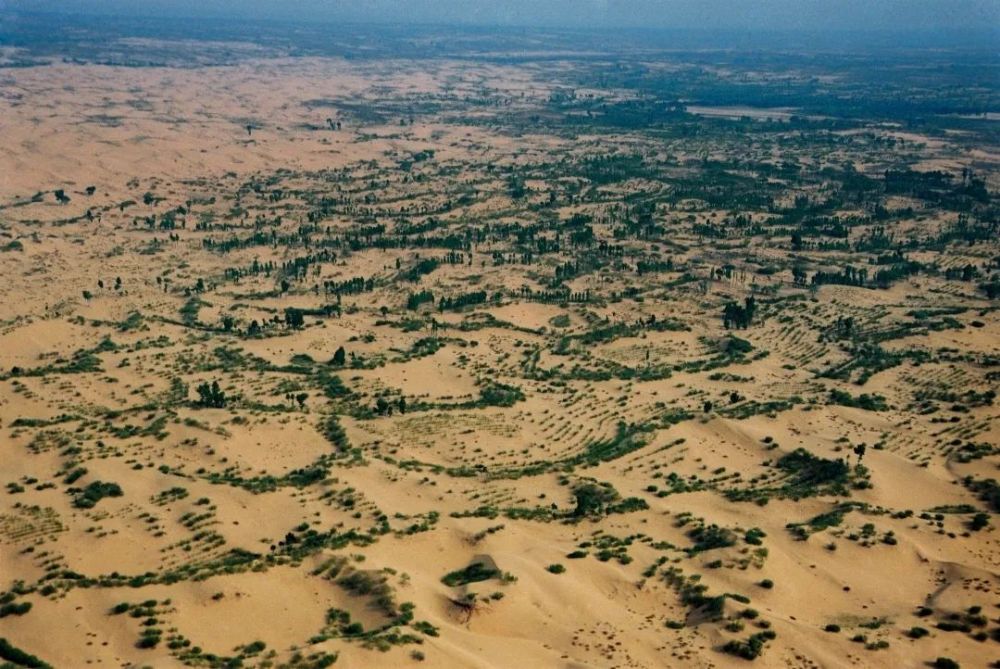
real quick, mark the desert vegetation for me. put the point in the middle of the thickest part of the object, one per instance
(377, 353)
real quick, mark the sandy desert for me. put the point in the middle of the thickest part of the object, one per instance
(315, 360)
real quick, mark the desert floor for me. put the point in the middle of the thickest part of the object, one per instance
(624, 470)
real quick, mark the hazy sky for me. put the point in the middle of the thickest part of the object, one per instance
(713, 14)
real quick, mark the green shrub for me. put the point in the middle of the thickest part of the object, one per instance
(710, 537)
(14, 609)
(473, 573)
(20, 658)
(94, 493)
(751, 648)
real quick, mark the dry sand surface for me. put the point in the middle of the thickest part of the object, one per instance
(636, 492)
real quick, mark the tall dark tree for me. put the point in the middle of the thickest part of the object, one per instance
(739, 317)
(294, 318)
(211, 395)
(340, 357)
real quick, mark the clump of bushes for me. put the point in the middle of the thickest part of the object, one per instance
(20, 658)
(946, 663)
(94, 493)
(14, 609)
(751, 648)
(473, 573)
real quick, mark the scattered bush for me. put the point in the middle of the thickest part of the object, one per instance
(94, 493)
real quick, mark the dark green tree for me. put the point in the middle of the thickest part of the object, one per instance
(340, 357)
(211, 395)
